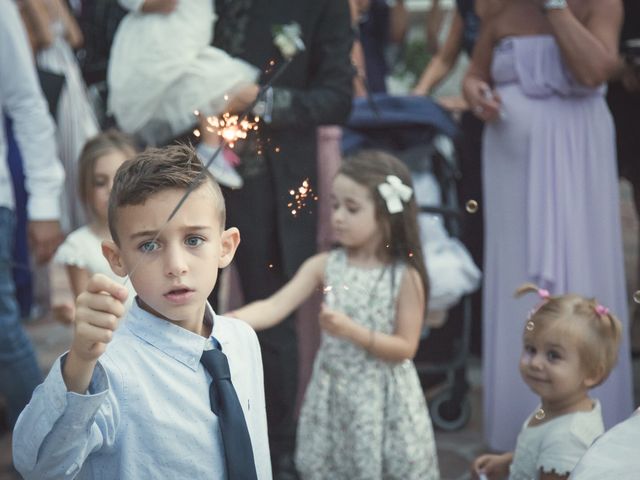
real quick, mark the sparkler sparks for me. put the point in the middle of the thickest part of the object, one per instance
(230, 127)
(301, 195)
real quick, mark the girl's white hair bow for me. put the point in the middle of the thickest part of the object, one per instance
(394, 193)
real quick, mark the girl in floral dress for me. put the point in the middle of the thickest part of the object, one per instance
(364, 415)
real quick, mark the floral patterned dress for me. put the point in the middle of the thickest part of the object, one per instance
(363, 417)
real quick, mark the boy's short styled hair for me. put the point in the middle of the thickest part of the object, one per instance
(155, 170)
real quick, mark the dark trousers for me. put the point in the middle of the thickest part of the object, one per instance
(253, 210)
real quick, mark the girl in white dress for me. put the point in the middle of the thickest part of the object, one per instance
(364, 414)
(162, 69)
(570, 346)
(81, 252)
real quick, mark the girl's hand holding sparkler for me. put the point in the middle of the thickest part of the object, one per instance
(336, 323)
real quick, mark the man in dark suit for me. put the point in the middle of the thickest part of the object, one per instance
(315, 89)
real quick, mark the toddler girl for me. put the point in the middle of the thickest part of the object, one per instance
(81, 252)
(570, 346)
(364, 414)
(162, 68)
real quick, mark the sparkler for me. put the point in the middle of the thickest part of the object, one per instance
(231, 128)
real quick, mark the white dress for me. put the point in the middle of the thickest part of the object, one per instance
(362, 417)
(83, 249)
(76, 122)
(162, 68)
(556, 445)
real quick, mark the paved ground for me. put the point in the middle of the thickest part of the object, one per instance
(455, 449)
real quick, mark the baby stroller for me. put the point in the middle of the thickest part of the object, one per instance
(420, 133)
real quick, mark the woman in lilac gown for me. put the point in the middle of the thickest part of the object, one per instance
(550, 185)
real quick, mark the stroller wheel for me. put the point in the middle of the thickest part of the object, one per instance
(447, 414)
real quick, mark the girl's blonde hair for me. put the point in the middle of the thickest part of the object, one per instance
(102, 144)
(401, 238)
(597, 330)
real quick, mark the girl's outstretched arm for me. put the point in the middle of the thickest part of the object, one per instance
(269, 312)
(400, 345)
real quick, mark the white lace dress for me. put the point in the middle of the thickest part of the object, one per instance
(83, 249)
(362, 417)
(162, 68)
(556, 445)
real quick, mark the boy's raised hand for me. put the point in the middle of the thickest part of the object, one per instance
(98, 312)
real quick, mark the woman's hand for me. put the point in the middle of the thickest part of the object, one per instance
(484, 102)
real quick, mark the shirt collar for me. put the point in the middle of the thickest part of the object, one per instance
(182, 345)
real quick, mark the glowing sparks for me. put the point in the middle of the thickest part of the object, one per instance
(301, 195)
(327, 289)
(231, 127)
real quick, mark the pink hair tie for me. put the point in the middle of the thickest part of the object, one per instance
(543, 293)
(602, 310)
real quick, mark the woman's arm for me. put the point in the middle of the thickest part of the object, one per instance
(590, 50)
(269, 312)
(72, 32)
(36, 20)
(482, 99)
(443, 61)
(402, 344)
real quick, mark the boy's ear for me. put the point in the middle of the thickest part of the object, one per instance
(111, 252)
(229, 241)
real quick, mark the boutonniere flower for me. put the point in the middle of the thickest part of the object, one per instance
(288, 39)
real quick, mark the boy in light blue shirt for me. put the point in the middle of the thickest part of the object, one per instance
(130, 399)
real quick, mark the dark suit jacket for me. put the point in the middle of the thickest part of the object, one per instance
(315, 89)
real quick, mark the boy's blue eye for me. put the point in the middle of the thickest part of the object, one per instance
(147, 247)
(193, 241)
(530, 349)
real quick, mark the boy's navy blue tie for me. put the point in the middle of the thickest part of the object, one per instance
(224, 403)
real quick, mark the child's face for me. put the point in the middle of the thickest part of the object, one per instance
(103, 173)
(178, 270)
(551, 365)
(354, 215)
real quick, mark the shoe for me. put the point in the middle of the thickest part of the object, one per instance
(222, 170)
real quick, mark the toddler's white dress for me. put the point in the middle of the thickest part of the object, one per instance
(556, 445)
(83, 249)
(363, 417)
(162, 68)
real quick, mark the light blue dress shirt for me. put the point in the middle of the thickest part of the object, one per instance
(146, 414)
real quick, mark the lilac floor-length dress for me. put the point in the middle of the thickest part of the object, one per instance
(552, 217)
